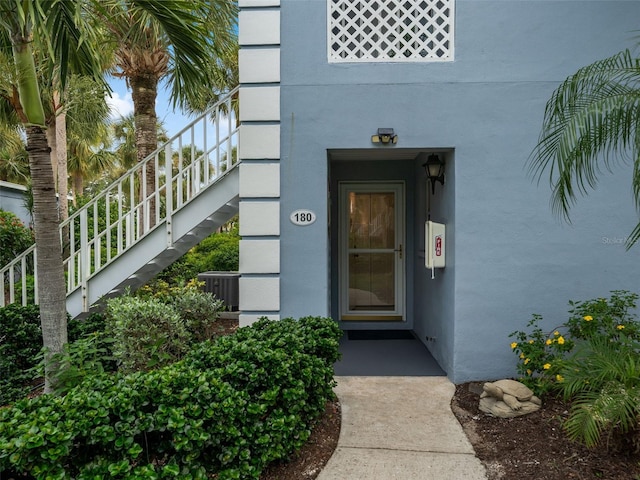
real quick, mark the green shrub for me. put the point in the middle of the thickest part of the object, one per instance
(30, 287)
(156, 288)
(603, 376)
(20, 343)
(153, 328)
(88, 353)
(227, 409)
(218, 252)
(15, 238)
(540, 356)
(82, 327)
(146, 333)
(603, 380)
(609, 318)
(199, 310)
(86, 356)
(597, 367)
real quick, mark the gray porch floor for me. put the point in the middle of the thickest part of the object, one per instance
(383, 357)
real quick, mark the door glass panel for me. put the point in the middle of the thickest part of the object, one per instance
(371, 220)
(372, 239)
(371, 282)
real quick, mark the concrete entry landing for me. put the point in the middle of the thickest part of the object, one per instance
(400, 428)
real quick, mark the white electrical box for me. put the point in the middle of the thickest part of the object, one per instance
(434, 248)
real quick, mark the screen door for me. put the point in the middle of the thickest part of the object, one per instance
(372, 253)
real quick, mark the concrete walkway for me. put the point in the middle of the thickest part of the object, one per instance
(400, 428)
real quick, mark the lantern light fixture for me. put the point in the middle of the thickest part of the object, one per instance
(434, 168)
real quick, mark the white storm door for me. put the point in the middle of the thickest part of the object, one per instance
(372, 256)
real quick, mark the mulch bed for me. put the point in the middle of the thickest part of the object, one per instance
(534, 446)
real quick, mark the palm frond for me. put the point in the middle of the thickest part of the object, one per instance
(603, 379)
(7, 66)
(582, 424)
(87, 108)
(197, 38)
(613, 408)
(590, 123)
(14, 161)
(69, 40)
(597, 362)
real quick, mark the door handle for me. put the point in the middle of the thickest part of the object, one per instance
(399, 250)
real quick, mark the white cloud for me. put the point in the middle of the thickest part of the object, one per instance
(119, 106)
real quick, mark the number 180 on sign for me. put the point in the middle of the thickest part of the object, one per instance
(302, 217)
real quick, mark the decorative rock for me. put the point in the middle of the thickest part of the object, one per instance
(508, 399)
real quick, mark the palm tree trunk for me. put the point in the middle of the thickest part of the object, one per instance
(53, 149)
(51, 281)
(61, 175)
(61, 158)
(57, 138)
(78, 187)
(144, 90)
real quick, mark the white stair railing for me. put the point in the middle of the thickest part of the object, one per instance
(19, 282)
(125, 212)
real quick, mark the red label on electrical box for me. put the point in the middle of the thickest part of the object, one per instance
(438, 246)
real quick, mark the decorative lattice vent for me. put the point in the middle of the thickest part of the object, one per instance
(390, 30)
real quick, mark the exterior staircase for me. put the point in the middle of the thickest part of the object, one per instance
(130, 232)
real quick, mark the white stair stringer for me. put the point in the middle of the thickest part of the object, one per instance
(215, 205)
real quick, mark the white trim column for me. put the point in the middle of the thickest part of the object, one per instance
(259, 65)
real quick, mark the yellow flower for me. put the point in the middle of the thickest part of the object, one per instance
(559, 378)
(620, 327)
(527, 360)
(529, 372)
(587, 318)
(556, 333)
(514, 345)
(549, 341)
(546, 366)
(531, 341)
(522, 355)
(561, 340)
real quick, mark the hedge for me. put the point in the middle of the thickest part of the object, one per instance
(229, 408)
(20, 343)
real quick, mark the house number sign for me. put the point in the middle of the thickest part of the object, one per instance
(302, 217)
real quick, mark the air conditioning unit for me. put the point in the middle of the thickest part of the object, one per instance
(224, 285)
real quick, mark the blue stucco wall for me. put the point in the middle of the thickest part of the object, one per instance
(507, 256)
(12, 199)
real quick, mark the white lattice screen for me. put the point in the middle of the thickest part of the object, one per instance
(390, 30)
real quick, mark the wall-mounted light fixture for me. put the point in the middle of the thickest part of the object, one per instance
(434, 168)
(385, 136)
